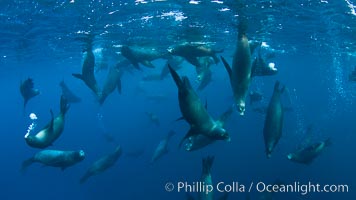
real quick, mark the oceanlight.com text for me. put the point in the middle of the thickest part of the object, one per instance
(237, 187)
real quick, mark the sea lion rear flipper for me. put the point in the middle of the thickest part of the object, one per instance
(26, 164)
(207, 164)
(79, 76)
(176, 77)
(227, 67)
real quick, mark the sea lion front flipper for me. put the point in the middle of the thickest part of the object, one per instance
(192, 131)
(227, 67)
(52, 121)
(79, 76)
(225, 116)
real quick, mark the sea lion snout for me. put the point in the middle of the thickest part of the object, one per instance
(241, 108)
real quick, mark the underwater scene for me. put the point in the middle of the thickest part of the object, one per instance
(178, 99)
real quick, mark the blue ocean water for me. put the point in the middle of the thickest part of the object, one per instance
(314, 47)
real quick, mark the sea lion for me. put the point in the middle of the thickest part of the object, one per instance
(272, 130)
(51, 131)
(141, 55)
(28, 91)
(112, 82)
(307, 154)
(162, 147)
(195, 113)
(240, 74)
(102, 164)
(175, 62)
(261, 68)
(206, 178)
(55, 158)
(192, 51)
(199, 141)
(88, 71)
(153, 118)
(204, 73)
(68, 94)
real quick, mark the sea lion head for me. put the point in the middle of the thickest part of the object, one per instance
(79, 155)
(32, 141)
(241, 107)
(219, 133)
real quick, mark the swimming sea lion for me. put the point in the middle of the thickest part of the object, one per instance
(55, 158)
(112, 82)
(192, 51)
(28, 91)
(88, 71)
(240, 74)
(162, 147)
(102, 164)
(204, 72)
(153, 118)
(175, 62)
(51, 131)
(272, 130)
(195, 113)
(199, 141)
(141, 55)
(261, 68)
(307, 154)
